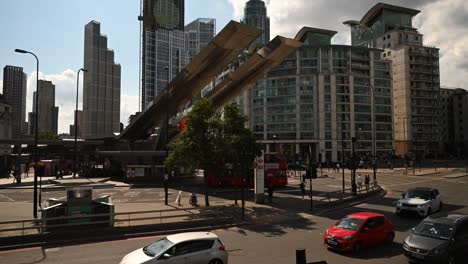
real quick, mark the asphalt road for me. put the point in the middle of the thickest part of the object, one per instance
(276, 243)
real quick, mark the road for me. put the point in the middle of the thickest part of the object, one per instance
(276, 243)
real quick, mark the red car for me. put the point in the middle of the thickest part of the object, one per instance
(357, 231)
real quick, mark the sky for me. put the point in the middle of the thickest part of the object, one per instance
(54, 31)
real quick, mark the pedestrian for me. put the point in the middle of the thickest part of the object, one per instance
(178, 198)
(367, 181)
(302, 186)
(359, 181)
(193, 200)
(270, 193)
(337, 167)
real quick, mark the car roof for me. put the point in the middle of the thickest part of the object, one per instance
(177, 238)
(446, 218)
(422, 189)
(364, 215)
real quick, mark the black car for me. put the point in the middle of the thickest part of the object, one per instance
(296, 167)
(439, 238)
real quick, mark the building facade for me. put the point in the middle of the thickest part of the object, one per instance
(416, 82)
(14, 92)
(163, 46)
(454, 122)
(255, 15)
(320, 97)
(199, 33)
(79, 124)
(101, 87)
(48, 112)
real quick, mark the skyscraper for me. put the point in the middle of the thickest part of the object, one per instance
(416, 85)
(14, 91)
(255, 15)
(163, 46)
(101, 88)
(48, 112)
(198, 34)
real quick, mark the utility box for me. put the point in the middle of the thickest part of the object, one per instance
(78, 202)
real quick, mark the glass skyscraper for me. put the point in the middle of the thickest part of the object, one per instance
(255, 15)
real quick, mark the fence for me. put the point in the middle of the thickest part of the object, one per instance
(337, 196)
(117, 220)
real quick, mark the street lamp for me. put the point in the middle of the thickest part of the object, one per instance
(36, 134)
(166, 175)
(274, 141)
(76, 120)
(405, 118)
(374, 151)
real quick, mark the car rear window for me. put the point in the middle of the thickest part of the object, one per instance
(199, 245)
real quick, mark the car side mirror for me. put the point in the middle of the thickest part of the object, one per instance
(403, 195)
(165, 256)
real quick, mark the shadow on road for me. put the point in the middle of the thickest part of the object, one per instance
(376, 252)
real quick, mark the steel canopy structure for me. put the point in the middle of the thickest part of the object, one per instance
(221, 51)
(256, 66)
(204, 68)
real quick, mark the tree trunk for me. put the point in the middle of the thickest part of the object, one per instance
(205, 180)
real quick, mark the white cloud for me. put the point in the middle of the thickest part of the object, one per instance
(65, 96)
(1, 86)
(443, 23)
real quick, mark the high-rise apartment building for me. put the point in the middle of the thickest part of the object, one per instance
(48, 112)
(14, 92)
(321, 96)
(416, 85)
(454, 122)
(79, 124)
(255, 15)
(199, 33)
(101, 87)
(163, 46)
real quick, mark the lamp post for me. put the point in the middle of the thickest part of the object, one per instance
(274, 141)
(166, 175)
(374, 151)
(36, 134)
(76, 120)
(342, 149)
(405, 118)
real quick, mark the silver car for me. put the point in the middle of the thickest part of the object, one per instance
(187, 248)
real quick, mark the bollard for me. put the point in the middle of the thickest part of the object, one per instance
(300, 256)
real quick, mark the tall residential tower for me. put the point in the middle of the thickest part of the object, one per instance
(14, 92)
(163, 46)
(101, 88)
(48, 112)
(416, 85)
(255, 15)
(198, 34)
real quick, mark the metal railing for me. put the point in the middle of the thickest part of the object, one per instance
(116, 220)
(336, 196)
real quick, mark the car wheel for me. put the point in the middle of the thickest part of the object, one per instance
(389, 238)
(216, 261)
(451, 259)
(357, 248)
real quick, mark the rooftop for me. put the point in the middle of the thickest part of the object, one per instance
(177, 238)
(378, 8)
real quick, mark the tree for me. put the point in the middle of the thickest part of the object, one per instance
(48, 135)
(199, 145)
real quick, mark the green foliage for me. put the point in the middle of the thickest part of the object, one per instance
(48, 135)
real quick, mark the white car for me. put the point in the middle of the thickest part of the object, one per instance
(186, 248)
(423, 201)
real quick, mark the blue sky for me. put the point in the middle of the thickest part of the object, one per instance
(53, 30)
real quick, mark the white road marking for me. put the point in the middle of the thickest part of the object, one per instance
(8, 198)
(52, 249)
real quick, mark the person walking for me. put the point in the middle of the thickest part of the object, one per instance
(302, 186)
(367, 181)
(270, 193)
(193, 200)
(359, 181)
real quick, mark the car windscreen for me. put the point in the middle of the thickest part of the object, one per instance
(349, 223)
(157, 247)
(433, 230)
(420, 194)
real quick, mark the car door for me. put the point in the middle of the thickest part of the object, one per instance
(201, 251)
(434, 201)
(177, 254)
(367, 233)
(460, 243)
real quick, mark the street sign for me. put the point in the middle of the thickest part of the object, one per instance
(260, 179)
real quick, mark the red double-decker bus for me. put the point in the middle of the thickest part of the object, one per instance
(275, 169)
(275, 172)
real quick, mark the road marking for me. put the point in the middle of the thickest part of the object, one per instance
(52, 249)
(8, 198)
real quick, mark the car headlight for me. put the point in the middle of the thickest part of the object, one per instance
(398, 204)
(326, 232)
(422, 205)
(405, 246)
(348, 238)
